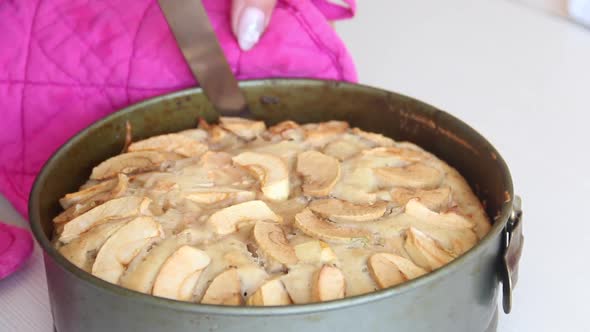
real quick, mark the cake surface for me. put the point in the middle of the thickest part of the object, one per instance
(241, 214)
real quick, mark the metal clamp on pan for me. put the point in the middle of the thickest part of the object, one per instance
(512, 245)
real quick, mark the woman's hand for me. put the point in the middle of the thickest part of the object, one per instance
(249, 19)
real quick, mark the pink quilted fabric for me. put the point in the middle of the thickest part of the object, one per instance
(66, 63)
(16, 245)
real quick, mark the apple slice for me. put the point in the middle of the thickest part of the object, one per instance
(314, 252)
(315, 227)
(131, 162)
(80, 196)
(286, 130)
(73, 212)
(344, 148)
(388, 157)
(388, 269)
(271, 293)
(243, 128)
(273, 243)
(118, 251)
(329, 284)
(453, 231)
(416, 209)
(208, 196)
(179, 274)
(286, 150)
(435, 199)
(319, 134)
(251, 278)
(425, 251)
(376, 139)
(299, 281)
(227, 220)
(87, 199)
(118, 208)
(177, 143)
(271, 171)
(141, 278)
(320, 172)
(416, 175)
(219, 138)
(79, 251)
(225, 289)
(342, 211)
(195, 134)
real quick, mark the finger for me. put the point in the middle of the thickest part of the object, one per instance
(249, 18)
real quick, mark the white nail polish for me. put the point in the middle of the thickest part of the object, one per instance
(250, 27)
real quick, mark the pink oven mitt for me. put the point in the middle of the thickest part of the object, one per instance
(16, 246)
(66, 63)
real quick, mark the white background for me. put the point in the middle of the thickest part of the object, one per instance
(519, 77)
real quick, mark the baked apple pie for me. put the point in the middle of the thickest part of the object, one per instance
(241, 214)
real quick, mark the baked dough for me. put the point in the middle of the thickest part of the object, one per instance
(241, 214)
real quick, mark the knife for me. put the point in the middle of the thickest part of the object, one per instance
(196, 38)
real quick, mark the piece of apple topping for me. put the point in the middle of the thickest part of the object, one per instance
(209, 196)
(329, 284)
(417, 209)
(218, 138)
(271, 171)
(389, 270)
(271, 293)
(195, 134)
(315, 251)
(344, 148)
(453, 231)
(416, 175)
(141, 278)
(117, 208)
(286, 150)
(352, 193)
(251, 278)
(315, 227)
(79, 251)
(388, 157)
(227, 220)
(132, 162)
(230, 286)
(243, 128)
(299, 281)
(118, 251)
(376, 139)
(90, 197)
(287, 130)
(425, 251)
(319, 134)
(177, 143)
(343, 211)
(225, 289)
(434, 199)
(320, 172)
(72, 212)
(179, 274)
(272, 241)
(80, 196)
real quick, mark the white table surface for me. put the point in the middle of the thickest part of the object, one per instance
(519, 77)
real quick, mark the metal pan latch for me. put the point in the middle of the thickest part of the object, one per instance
(512, 243)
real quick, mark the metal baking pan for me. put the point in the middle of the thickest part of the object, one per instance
(461, 296)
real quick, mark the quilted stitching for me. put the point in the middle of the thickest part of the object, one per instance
(66, 63)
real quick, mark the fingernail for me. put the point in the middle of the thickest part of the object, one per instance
(250, 27)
